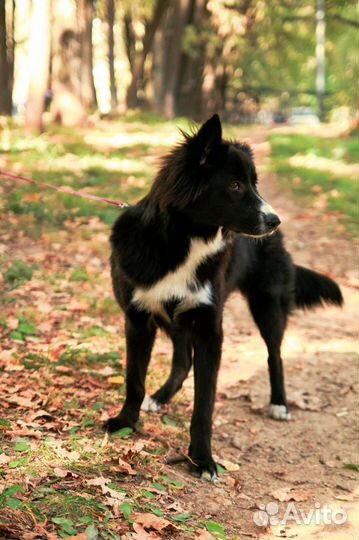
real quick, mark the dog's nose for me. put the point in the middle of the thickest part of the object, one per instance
(271, 220)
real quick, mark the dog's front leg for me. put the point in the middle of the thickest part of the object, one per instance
(140, 336)
(207, 354)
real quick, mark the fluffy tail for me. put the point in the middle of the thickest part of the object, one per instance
(313, 289)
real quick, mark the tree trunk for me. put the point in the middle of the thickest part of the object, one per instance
(138, 61)
(6, 63)
(173, 42)
(111, 52)
(85, 15)
(189, 91)
(67, 107)
(39, 56)
(11, 55)
(320, 57)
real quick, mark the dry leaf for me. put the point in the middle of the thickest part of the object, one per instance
(118, 379)
(204, 535)
(302, 400)
(99, 481)
(229, 465)
(4, 459)
(141, 534)
(62, 473)
(289, 493)
(150, 521)
(124, 467)
(25, 432)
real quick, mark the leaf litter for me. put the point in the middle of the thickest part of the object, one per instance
(62, 360)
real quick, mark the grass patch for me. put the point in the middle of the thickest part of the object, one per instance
(328, 176)
(18, 273)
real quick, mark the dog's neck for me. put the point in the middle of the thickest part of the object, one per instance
(176, 224)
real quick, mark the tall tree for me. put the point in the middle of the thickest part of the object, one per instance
(137, 59)
(189, 91)
(173, 47)
(67, 106)
(85, 16)
(110, 15)
(320, 56)
(7, 42)
(39, 56)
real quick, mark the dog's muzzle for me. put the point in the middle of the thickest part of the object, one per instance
(270, 218)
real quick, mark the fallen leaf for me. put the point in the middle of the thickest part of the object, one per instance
(302, 400)
(204, 535)
(4, 459)
(289, 493)
(141, 534)
(150, 521)
(118, 379)
(124, 467)
(23, 401)
(100, 481)
(229, 465)
(106, 371)
(25, 432)
(75, 305)
(63, 473)
(12, 323)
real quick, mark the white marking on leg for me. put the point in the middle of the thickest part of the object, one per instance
(206, 475)
(150, 405)
(279, 412)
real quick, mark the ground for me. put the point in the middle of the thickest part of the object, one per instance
(62, 375)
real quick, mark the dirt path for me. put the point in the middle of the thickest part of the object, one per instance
(300, 462)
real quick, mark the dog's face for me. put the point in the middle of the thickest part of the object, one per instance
(227, 195)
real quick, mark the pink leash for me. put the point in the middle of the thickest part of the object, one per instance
(70, 191)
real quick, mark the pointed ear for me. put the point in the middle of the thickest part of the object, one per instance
(209, 139)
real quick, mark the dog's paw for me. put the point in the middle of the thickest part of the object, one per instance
(206, 469)
(150, 405)
(116, 423)
(279, 412)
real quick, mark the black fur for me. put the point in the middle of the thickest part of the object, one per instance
(205, 185)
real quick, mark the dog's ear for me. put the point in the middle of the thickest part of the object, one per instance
(209, 138)
(246, 149)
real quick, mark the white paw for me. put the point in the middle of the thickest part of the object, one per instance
(150, 405)
(206, 475)
(279, 412)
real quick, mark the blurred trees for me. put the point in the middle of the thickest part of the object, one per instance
(181, 57)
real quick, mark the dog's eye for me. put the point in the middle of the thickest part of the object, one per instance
(237, 186)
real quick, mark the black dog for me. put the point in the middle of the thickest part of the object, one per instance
(179, 253)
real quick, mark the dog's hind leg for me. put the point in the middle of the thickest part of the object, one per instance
(181, 364)
(270, 315)
(140, 336)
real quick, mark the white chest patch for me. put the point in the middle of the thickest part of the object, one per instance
(181, 284)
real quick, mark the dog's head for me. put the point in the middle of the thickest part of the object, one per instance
(214, 182)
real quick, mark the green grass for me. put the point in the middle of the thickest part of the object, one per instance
(334, 182)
